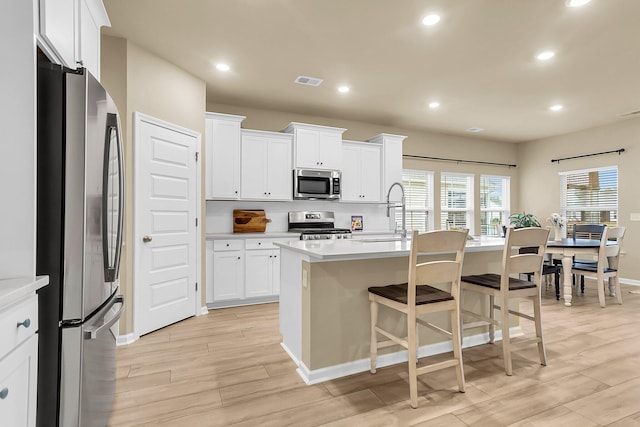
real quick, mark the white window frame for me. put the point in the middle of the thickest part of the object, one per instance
(469, 209)
(505, 209)
(612, 207)
(412, 207)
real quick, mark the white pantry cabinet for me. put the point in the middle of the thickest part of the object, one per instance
(316, 147)
(361, 172)
(222, 149)
(70, 32)
(266, 172)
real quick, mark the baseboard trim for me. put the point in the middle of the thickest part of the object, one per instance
(631, 282)
(126, 339)
(203, 310)
(242, 302)
(317, 376)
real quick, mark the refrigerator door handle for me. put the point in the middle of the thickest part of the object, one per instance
(112, 250)
(92, 333)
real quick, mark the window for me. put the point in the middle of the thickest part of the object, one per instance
(590, 196)
(494, 203)
(456, 201)
(418, 188)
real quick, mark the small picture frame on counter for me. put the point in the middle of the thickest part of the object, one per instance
(356, 222)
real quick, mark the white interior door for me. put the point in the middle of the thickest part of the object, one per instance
(166, 237)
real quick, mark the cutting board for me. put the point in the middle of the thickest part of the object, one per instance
(249, 221)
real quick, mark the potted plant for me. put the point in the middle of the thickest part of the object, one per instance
(521, 220)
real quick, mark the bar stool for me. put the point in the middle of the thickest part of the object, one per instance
(504, 287)
(418, 297)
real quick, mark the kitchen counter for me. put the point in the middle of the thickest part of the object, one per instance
(324, 304)
(273, 235)
(11, 290)
(352, 249)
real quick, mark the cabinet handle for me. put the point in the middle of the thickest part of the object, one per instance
(227, 245)
(26, 323)
(259, 243)
(3, 393)
(238, 257)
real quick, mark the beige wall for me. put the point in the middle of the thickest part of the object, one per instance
(142, 82)
(539, 190)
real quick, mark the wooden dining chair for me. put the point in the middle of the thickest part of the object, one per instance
(507, 286)
(586, 231)
(419, 297)
(606, 267)
(548, 268)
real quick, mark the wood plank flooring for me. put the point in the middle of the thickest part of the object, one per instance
(228, 369)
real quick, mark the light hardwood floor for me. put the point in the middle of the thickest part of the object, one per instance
(228, 369)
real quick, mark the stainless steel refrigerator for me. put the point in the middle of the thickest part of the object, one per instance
(80, 208)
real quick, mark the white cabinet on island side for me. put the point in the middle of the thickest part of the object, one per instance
(266, 165)
(222, 150)
(316, 147)
(361, 172)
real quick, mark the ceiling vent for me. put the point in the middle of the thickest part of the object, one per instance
(309, 81)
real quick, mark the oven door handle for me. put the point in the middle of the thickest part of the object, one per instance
(92, 333)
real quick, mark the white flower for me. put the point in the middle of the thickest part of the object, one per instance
(556, 220)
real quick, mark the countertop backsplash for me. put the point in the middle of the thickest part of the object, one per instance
(220, 214)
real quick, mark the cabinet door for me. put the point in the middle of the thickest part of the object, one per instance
(370, 172)
(259, 273)
(209, 270)
(18, 383)
(58, 26)
(330, 150)
(223, 159)
(228, 275)
(275, 272)
(89, 54)
(350, 184)
(254, 167)
(279, 170)
(307, 148)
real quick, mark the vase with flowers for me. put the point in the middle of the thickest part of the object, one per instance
(559, 224)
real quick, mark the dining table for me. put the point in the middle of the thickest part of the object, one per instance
(568, 248)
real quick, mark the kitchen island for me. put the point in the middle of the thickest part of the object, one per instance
(324, 304)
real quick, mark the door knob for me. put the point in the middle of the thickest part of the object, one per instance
(147, 239)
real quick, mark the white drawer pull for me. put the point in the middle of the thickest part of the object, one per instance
(26, 323)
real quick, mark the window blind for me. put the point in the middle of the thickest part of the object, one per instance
(590, 196)
(418, 190)
(456, 200)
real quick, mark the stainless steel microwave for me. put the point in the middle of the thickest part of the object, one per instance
(316, 184)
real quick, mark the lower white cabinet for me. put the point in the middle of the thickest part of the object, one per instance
(242, 271)
(19, 363)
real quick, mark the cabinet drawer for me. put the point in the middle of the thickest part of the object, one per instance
(14, 321)
(227, 245)
(261, 244)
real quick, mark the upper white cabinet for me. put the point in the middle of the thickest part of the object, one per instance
(391, 158)
(222, 136)
(70, 32)
(316, 147)
(266, 165)
(361, 172)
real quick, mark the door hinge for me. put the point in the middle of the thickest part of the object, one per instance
(197, 154)
(196, 222)
(196, 286)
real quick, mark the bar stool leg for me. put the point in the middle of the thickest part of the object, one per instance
(373, 352)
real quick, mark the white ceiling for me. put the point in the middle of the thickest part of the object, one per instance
(478, 62)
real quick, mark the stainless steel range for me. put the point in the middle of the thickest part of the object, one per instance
(316, 226)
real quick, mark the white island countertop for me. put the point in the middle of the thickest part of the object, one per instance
(350, 249)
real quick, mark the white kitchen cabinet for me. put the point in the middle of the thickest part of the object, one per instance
(70, 32)
(361, 172)
(19, 362)
(262, 273)
(222, 136)
(316, 147)
(391, 159)
(228, 272)
(266, 172)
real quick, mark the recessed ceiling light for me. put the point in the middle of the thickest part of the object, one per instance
(546, 55)
(431, 19)
(344, 89)
(222, 67)
(556, 107)
(576, 3)
(434, 104)
(475, 130)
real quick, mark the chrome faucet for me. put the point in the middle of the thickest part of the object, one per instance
(404, 208)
